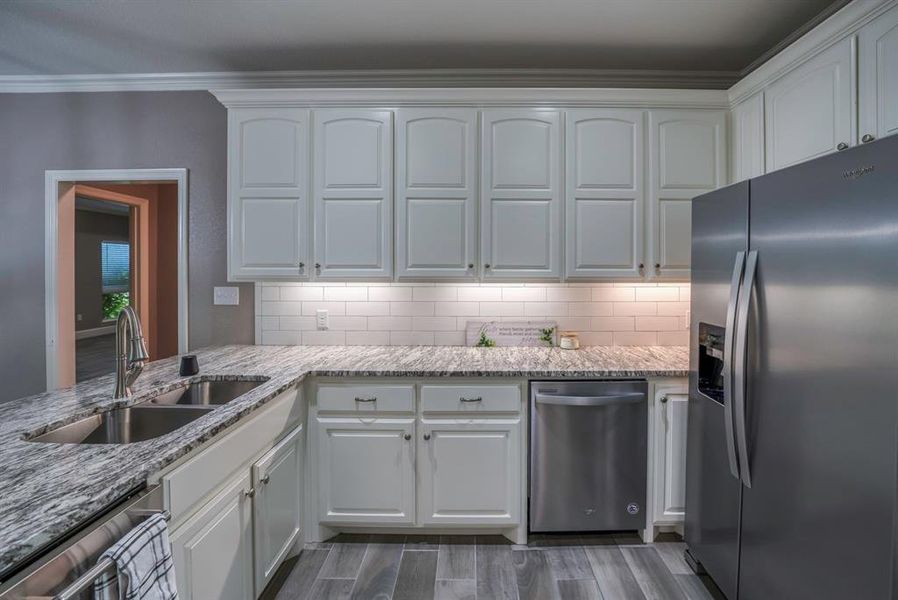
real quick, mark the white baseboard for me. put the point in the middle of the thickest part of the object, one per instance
(95, 332)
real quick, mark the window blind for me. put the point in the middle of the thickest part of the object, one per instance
(115, 266)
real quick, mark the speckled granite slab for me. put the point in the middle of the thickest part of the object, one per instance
(50, 488)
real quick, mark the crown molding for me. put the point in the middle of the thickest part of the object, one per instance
(478, 97)
(399, 78)
(843, 23)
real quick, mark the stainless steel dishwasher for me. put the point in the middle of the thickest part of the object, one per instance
(588, 455)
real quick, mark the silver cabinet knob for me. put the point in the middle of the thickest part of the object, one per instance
(265, 479)
(657, 266)
(486, 266)
(470, 265)
(426, 436)
(249, 493)
(407, 436)
(868, 138)
(842, 146)
(317, 265)
(641, 266)
(302, 265)
(664, 399)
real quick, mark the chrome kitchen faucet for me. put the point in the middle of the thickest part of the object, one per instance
(130, 351)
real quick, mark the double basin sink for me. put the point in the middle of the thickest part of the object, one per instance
(153, 418)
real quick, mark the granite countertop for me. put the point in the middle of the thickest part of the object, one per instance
(51, 488)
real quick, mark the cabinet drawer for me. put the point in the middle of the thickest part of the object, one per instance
(195, 479)
(366, 398)
(474, 398)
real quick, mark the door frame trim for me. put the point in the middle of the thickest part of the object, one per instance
(52, 180)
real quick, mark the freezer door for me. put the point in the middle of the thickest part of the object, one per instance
(821, 403)
(719, 241)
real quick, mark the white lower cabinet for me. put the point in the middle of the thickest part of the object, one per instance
(670, 416)
(469, 472)
(276, 505)
(213, 550)
(366, 470)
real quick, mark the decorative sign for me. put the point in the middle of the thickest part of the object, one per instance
(511, 333)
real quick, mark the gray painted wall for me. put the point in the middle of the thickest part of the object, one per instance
(91, 230)
(108, 131)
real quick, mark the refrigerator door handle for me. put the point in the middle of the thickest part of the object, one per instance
(740, 359)
(738, 268)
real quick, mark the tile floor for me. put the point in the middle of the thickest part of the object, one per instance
(599, 567)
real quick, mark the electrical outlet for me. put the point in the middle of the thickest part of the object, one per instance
(688, 320)
(228, 295)
(321, 319)
(78, 317)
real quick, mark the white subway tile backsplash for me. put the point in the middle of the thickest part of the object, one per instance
(382, 313)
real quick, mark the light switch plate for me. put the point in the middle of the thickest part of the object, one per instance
(227, 295)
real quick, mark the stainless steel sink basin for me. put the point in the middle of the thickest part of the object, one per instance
(125, 425)
(206, 393)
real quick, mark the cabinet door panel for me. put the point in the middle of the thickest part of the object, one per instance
(604, 193)
(353, 193)
(878, 75)
(436, 220)
(748, 138)
(276, 505)
(470, 472)
(521, 194)
(809, 110)
(269, 229)
(687, 157)
(365, 471)
(671, 409)
(213, 552)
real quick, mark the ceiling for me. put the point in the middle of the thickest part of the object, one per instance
(48, 37)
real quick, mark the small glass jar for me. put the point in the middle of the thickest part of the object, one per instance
(569, 340)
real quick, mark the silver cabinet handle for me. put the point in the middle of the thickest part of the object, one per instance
(738, 269)
(842, 146)
(371, 399)
(589, 400)
(249, 493)
(407, 436)
(265, 479)
(477, 399)
(868, 137)
(426, 436)
(740, 351)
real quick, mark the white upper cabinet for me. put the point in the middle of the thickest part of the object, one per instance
(353, 193)
(878, 77)
(687, 157)
(747, 122)
(436, 201)
(604, 198)
(268, 181)
(520, 200)
(810, 110)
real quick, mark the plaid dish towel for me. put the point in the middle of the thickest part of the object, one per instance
(143, 565)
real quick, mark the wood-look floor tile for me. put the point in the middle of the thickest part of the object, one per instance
(343, 561)
(568, 563)
(377, 576)
(651, 573)
(672, 555)
(299, 581)
(455, 589)
(495, 572)
(578, 589)
(549, 540)
(417, 575)
(534, 576)
(331, 589)
(695, 589)
(616, 580)
(456, 557)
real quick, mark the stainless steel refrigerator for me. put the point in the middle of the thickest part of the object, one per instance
(792, 461)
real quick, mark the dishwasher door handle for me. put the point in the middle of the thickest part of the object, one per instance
(590, 400)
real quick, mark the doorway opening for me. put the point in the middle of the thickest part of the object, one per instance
(114, 239)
